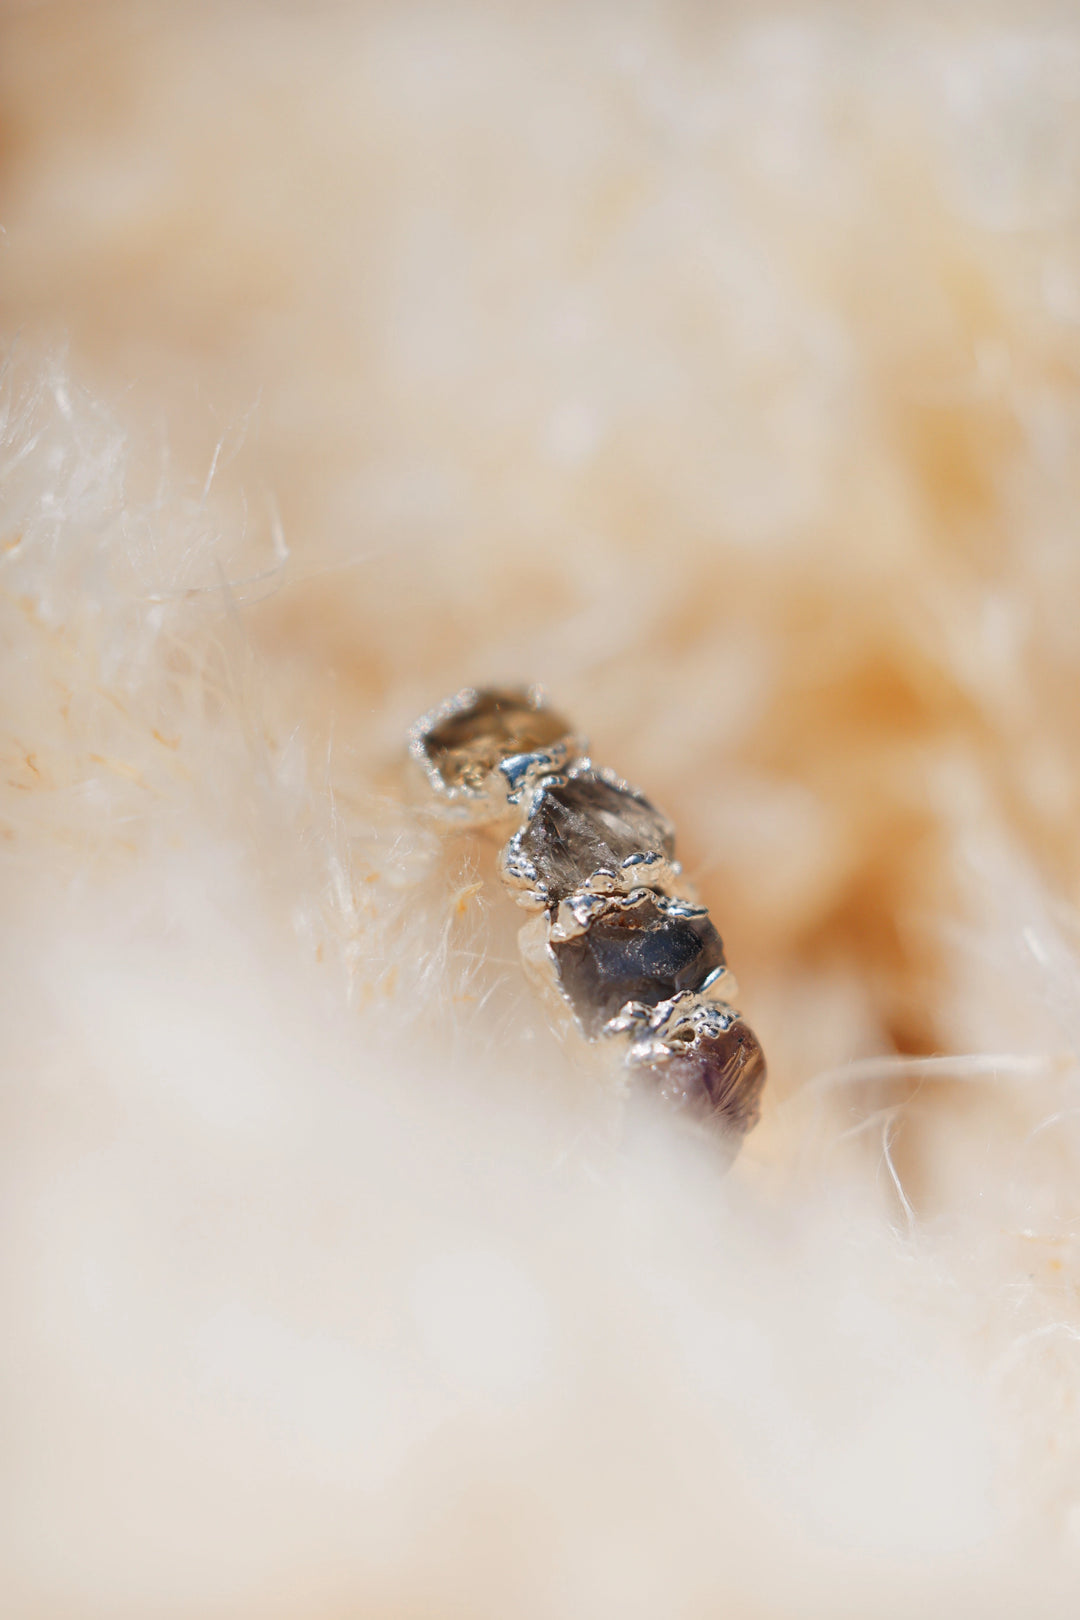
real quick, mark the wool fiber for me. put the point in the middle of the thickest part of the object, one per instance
(718, 367)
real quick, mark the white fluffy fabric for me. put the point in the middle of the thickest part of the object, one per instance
(719, 368)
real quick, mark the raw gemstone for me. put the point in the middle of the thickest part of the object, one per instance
(645, 951)
(470, 744)
(584, 825)
(717, 1076)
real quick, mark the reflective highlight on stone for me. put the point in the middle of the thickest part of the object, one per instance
(585, 831)
(468, 745)
(644, 949)
(642, 969)
(716, 1075)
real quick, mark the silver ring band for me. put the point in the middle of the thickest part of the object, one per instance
(634, 959)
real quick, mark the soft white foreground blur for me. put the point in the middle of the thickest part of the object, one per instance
(334, 1287)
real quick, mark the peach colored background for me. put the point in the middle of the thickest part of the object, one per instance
(716, 366)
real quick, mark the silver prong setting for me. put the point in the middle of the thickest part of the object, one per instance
(468, 748)
(635, 961)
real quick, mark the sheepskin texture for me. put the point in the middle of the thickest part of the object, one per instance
(717, 367)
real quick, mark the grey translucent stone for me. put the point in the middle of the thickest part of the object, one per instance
(587, 824)
(469, 745)
(644, 952)
(718, 1076)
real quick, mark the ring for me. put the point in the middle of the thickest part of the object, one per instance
(616, 933)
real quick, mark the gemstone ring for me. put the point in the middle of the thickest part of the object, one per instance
(636, 962)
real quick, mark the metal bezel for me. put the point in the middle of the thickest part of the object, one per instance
(647, 869)
(510, 781)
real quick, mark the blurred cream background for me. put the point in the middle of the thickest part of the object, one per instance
(717, 366)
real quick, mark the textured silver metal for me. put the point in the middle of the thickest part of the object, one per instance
(484, 748)
(622, 841)
(618, 951)
(635, 961)
(702, 1059)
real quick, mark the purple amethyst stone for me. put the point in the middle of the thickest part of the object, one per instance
(718, 1076)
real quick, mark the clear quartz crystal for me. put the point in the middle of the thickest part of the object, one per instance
(644, 949)
(588, 830)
